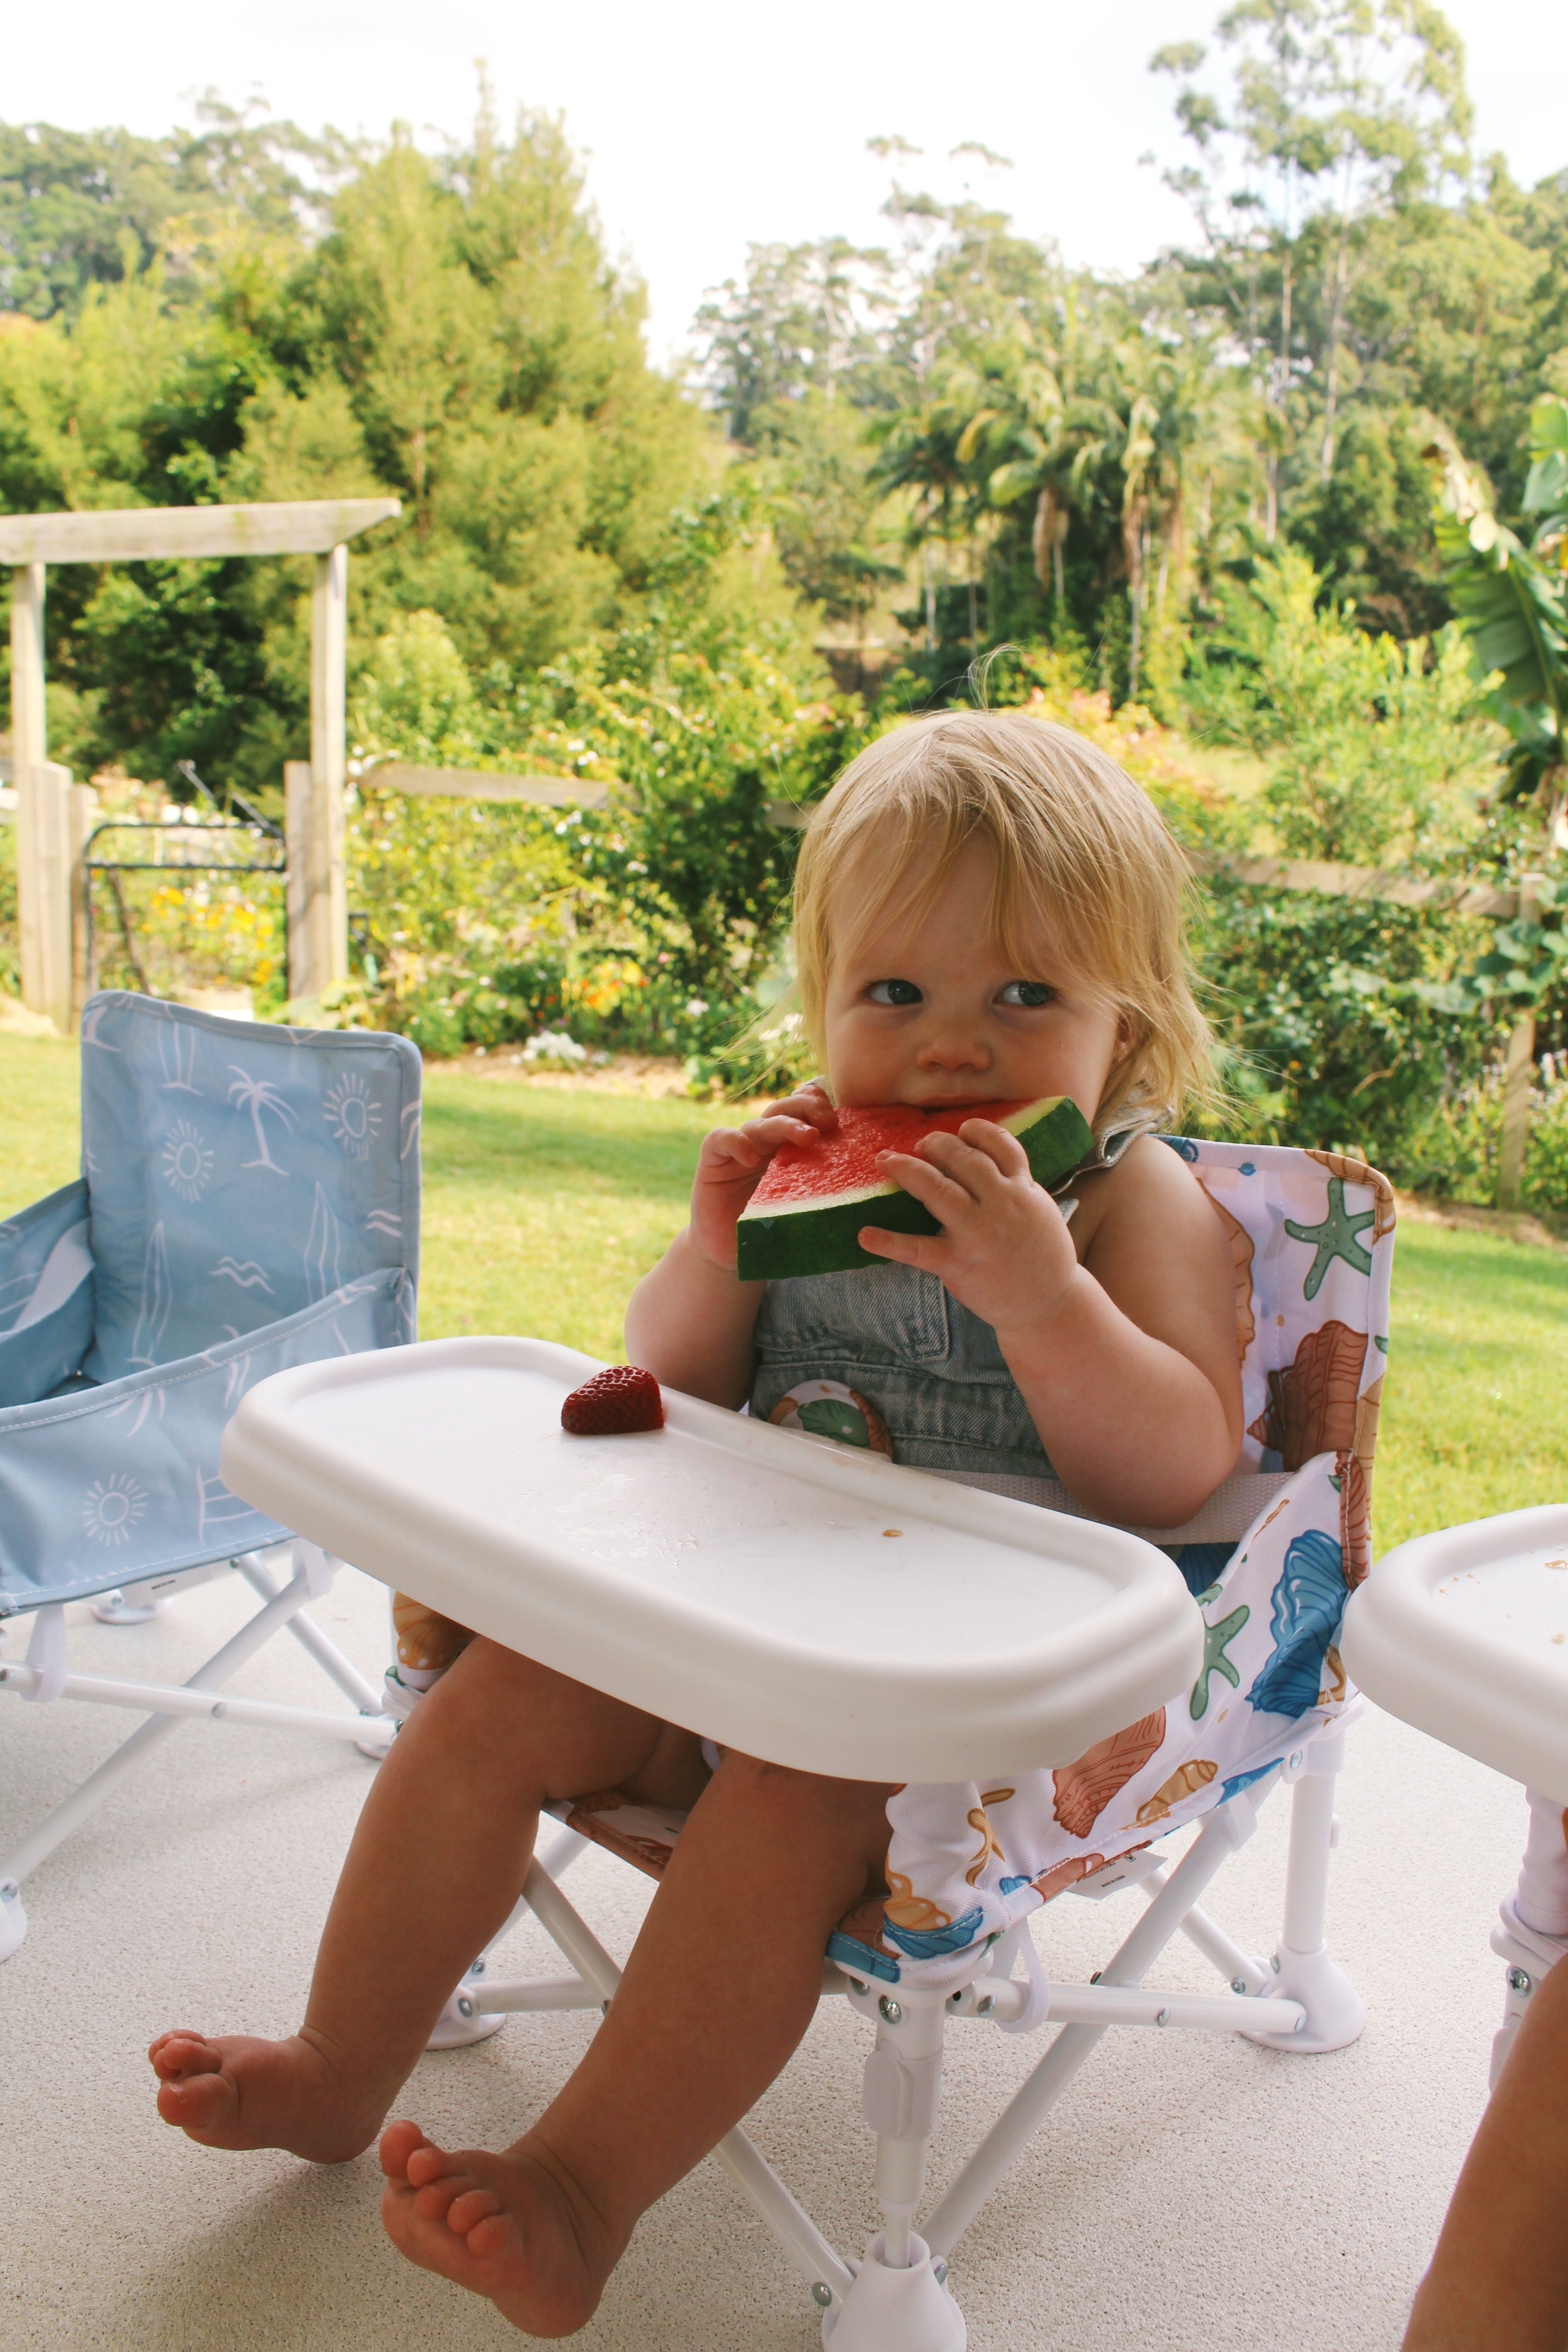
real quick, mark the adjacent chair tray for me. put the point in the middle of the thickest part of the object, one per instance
(1464, 1634)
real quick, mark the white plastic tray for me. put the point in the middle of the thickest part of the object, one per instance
(813, 1606)
(1464, 1634)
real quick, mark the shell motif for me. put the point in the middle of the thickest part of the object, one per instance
(1337, 1683)
(864, 1925)
(426, 1640)
(1308, 1602)
(1364, 1443)
(1312, 1403)
(907, 1909)
(1083, 1789)
(1194, 1774)
(1063, 1875)
(979, 1820)
(643, 1836)
(1241, 1249)
(1355, 1517)
(1356, 1172)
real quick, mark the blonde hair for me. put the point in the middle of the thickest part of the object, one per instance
(1080, 851)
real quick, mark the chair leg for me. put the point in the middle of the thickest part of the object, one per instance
(1527, 1955)
(1301, 1966)
(898, 2302)
(86, 1800)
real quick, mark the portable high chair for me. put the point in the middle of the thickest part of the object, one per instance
(250, 1199)
(1054, 1697)
(1464, 1633)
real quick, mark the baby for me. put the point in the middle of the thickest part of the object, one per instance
(986, 909)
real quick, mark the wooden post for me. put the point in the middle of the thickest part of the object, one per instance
(326, 897)
(81, 816)
(44, 859)
(28, 747)
(1519, 1069)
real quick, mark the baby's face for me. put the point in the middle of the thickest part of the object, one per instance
(928, 1013)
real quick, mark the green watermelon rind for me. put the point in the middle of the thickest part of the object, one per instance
(807, 1240)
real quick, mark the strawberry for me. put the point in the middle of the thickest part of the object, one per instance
(615, 1402)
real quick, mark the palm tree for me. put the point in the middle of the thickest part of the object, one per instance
(256, 1097)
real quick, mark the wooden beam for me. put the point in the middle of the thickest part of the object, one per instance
(479, 785)
(1359, 882)
(132, 534)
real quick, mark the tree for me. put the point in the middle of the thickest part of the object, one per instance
(1512, 600)
(1342, 111)
(457, 336)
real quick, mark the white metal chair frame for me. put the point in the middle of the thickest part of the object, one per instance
(44, 1676)
(1297, 2000)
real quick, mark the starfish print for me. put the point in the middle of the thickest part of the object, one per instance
(1337, 1237)
(1216, 1640)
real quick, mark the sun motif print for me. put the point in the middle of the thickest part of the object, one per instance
(354, 1118)
(187, 1164)
(112, 1507)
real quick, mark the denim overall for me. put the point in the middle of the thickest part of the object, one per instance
(885, 1357)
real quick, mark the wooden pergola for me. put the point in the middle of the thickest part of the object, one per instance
(54, 817)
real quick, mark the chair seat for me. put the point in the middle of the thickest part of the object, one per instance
(107, 1485)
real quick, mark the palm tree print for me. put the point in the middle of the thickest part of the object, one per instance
(258, 1098)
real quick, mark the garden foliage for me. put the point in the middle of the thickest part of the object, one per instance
(1189, 512)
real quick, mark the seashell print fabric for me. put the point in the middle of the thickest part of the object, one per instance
(1311, 1237)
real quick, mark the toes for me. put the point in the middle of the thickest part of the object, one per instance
(433, 2202)
(427, 2163)
(201, 2104)
(400, 2141)
(179, 2053)
(474, 2204)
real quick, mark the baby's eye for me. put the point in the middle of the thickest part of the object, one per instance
(894, 992)
(1033, 992)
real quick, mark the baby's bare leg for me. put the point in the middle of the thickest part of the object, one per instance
(440, 1853)
(720, 1986)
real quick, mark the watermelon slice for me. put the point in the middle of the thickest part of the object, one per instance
(806, 1214)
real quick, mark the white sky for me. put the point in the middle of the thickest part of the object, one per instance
(708, 126)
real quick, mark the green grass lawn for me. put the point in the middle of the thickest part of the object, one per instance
(543, 1206)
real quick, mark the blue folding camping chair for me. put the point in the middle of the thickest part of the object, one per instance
(250, 1200)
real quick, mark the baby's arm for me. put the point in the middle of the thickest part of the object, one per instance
(1128, 1362)
(690, 1320)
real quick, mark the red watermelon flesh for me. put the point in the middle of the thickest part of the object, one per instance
(805, 1215)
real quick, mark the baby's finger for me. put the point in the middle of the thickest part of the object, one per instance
(731, 1147)
(811, 1102)
(1002, 1149)
(926, 1253)
(946, 1192)
(776, 1127)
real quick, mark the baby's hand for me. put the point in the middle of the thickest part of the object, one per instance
(730, 1164)
(1004, 1251)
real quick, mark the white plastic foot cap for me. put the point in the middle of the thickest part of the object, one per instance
(896, 2311)
(1335, 2010)
(113, 1608)
(463, 2022)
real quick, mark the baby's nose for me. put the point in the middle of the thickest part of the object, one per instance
(954, 1052)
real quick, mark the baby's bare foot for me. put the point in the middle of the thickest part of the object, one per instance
(508, 2226)
(238, 2092)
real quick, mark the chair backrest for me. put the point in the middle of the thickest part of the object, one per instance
(236, 1173)
(1311, 1237)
